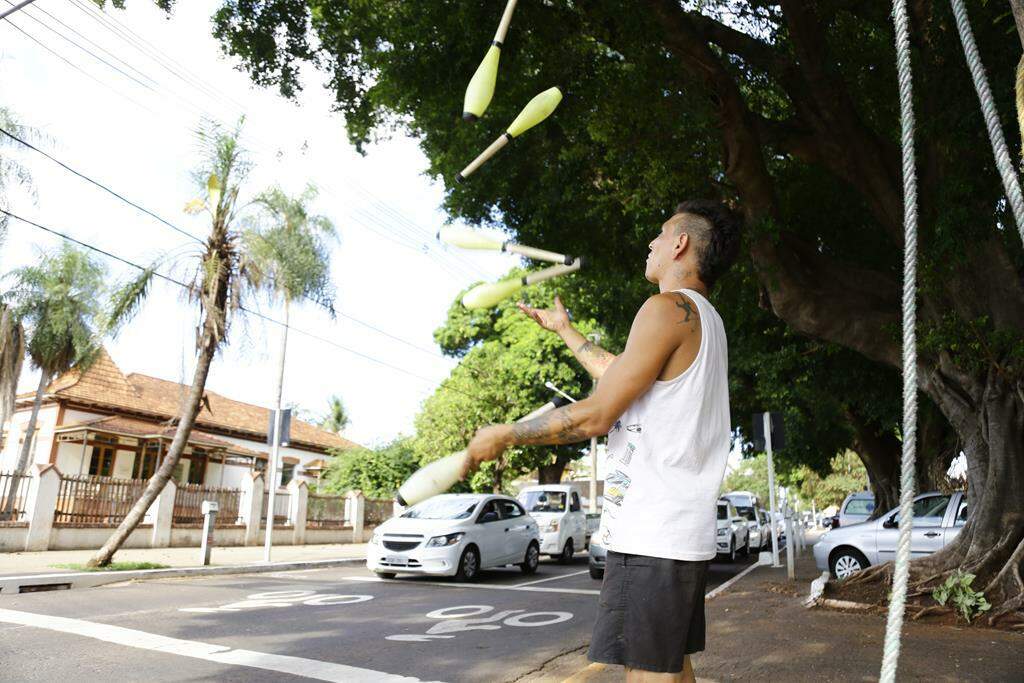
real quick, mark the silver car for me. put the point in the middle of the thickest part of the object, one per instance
(938, 518)
(598, 556)
(856, 508)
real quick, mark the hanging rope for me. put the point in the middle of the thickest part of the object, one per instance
(894, 623)
(988, 108)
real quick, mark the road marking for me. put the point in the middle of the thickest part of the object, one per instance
(221, 654)
(731, 581)
(552, 578)
(528, 589)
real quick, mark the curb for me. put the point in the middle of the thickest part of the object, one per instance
(13, 585)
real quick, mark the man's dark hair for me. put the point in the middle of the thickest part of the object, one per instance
(718, 236)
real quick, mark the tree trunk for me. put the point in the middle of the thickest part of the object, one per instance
(552, 474)
(214, 297)
(880, 453)
(30, 430)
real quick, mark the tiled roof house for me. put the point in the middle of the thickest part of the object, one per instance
(100, 421)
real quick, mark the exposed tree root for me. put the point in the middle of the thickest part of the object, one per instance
(934, 609)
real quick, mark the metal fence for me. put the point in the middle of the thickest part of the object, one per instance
(84, 500)
(13, 496)
(378, 511)
(188, 502)
(325, 512)
(281, 503)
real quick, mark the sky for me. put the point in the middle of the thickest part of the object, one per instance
(126, 116)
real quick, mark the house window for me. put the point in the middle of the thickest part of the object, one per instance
(145, 461)
(197, 470)
(102, 461)
(287, 473)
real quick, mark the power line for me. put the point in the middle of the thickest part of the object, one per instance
(20, 5)
(256, 314)
(101, 186)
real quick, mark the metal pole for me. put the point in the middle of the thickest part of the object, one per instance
(3, 15)
(771, 487)
(275, 443)
(790, 546)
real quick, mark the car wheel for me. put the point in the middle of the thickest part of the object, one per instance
(386, 575)
(846, 562)
(529, 565)
(596, 573)
(746, 548)
(732, 549)
(469, 565)
(567, 553)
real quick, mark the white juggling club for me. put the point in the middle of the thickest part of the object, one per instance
(467, 238)
(481, 87)
(487, 295)
(535, 111)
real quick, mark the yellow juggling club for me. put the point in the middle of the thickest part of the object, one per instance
(481, 87)
(487, 295)
(467, 238)
(535, 111)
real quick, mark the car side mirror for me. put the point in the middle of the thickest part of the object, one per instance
(890, 523)
(738, 520)
(488, 517)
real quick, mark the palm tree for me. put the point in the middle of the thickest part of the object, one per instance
(12, 355)
(231, 269)
(336, 418)
(288, 257)
(12, 172)
(58, 303)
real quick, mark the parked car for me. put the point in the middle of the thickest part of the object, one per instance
(938, 518)
(747, 504)
(856, 508)
(456, 535)
(732, 534)
(564, 526)
(598, 555)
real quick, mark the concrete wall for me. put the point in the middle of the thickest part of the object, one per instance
(12, 539)
(16, 428)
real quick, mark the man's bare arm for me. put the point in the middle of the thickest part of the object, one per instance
(592, 357)
(655, 335)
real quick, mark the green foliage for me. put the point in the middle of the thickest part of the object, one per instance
(112, 567)
(59, 303)
(957, 590)
(288, 251)
(847, 475)
(376, 472)
(336, 418)
(12, 172)
(505, 359)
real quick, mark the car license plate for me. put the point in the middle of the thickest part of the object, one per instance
(394, 559)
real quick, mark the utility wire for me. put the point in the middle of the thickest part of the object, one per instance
(101, 186)
(256, 314)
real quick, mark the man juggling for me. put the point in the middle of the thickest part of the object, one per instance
(664, 404)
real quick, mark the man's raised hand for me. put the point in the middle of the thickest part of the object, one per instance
(554, 319)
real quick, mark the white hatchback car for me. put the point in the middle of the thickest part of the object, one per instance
(455, 535)
(732, 534)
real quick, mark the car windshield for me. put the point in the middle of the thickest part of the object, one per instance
(442, 508)
(543, 501)
(747, 513)
(860, 506)
(723, 512)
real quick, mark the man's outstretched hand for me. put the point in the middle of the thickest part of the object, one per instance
(555, 319)
(488, 444)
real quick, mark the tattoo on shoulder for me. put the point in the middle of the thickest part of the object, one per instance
(689, 309)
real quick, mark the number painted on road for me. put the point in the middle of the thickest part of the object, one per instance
(283, 599)
(470, 618)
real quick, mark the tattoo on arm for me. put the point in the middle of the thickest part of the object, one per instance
(560, 426)
(595, 359)
(691, 311)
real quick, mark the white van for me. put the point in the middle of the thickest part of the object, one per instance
(560, 516)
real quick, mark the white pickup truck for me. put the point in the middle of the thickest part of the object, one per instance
(564, 525)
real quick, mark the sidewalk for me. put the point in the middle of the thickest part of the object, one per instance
(15, 564)
(759, 631)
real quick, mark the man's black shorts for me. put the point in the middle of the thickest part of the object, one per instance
(651, 612)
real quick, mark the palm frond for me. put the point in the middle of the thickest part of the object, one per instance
(127, 299)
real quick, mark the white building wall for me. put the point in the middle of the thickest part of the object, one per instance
(261, 446)
(14, 430)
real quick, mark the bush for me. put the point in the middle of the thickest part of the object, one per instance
(957, 589)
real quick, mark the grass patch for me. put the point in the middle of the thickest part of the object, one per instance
(113, 566)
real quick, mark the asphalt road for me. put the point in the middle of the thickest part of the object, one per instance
(339, 624)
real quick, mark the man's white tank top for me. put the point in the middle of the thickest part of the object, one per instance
(666, 457)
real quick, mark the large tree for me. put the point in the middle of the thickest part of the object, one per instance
(789, 109)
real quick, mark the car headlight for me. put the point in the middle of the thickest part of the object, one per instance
(723, 532)
(375, 539)
(552, 525)
(442, 541)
